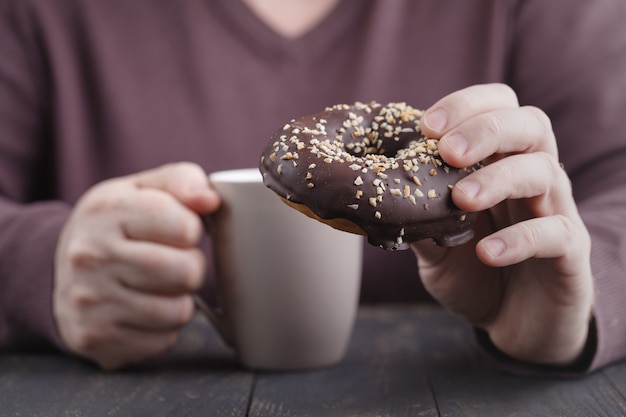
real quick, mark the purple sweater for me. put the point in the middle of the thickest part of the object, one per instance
(95, 89)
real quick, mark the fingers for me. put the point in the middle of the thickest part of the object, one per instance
(517, 177)
(150, 312)
(148, 206)
(115, 326)
(543, 237)
(521, 178)
(464, 104)
(102, 304)
(156, 216)
(187, 182)
(502, 131)
(141, 265)
(479, 121)
(158, 269)
(145, 282)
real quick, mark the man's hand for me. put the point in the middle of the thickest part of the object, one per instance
(526, 277)
(127, 262)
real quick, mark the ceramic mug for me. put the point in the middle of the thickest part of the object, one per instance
(287, 285)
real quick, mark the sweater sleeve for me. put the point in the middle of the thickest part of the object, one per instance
(29, 226)
(569, 59)
(27, 243)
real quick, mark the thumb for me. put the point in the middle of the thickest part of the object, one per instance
(185, 181)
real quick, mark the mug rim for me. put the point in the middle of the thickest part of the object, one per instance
(239, 175)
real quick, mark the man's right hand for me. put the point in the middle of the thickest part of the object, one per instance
(127, 263)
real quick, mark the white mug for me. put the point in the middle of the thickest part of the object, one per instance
(287, 285)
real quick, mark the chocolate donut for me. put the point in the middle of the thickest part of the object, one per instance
(367, 169)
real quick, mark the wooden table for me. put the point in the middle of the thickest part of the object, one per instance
(403, 361)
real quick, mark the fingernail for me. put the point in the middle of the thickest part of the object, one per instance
(436, 120)
(495, 247)
(469, 187)
(458, 143)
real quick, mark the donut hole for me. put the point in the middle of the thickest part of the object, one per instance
(358, 144)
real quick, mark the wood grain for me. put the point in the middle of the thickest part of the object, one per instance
(402, 361)
(199, 378)
(465, 384)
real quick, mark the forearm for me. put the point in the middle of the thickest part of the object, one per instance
(28, 236)
(605, 216)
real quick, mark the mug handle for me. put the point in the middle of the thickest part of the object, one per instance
(217, 318)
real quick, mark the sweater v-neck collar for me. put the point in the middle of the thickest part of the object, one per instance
(303, 48)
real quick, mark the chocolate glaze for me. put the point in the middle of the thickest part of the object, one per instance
(371, 165)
